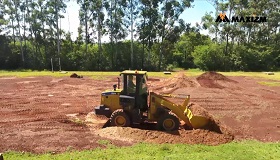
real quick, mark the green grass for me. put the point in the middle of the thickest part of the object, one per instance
(101, 75)
(194, 72)
(29, 73)
(269, 83)
(276, 75)
(78, 122)
(92, 74)
(245, 150)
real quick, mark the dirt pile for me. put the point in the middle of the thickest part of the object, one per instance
(95, 121)
(74, 75)
(213, 134)
(198, 110)
(213, 80)
(198, 136)
(213, 125)
(176, 82)
(213, 76)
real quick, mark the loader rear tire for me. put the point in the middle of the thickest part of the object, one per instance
(119, 118)
(168, 122)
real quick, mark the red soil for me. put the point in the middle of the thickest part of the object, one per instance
(134, 135)
(212, 79)
(46, 114)
(180, 80)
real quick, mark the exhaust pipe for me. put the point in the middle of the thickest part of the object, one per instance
(118, 83)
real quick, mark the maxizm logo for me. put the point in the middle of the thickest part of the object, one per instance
(222, 17)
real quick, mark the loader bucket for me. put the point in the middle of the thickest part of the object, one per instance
(196, 121)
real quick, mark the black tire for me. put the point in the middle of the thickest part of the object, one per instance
(119, 118)
(168, 122)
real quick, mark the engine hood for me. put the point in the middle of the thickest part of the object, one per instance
(111, 92)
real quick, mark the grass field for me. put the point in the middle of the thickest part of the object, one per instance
(92, 74)
(269, 83)
(244, 150)
(100, 75)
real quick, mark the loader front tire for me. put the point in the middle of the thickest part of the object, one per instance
(119, 118)
(168, 122)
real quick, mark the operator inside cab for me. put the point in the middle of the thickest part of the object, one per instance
(131, 87)
(143, 90)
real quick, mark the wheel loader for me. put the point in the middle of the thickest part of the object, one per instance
(134, 104)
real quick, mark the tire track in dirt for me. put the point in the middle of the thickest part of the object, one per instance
(34, 121)
(31, 120)
(240, 102)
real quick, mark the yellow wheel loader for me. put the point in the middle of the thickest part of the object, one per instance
(134, 104)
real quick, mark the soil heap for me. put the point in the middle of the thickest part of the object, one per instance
(171, 84)
(212, 80)
(74, 75)
(213, 125)
(214, 133)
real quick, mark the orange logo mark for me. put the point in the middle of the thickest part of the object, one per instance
(222, 15)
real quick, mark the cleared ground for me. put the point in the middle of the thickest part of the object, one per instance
(47, 114)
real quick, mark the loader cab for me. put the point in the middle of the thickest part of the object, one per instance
(134, 83)
(134, 93)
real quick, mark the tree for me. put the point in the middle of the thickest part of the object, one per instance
(168, 16)
(116, 26)
(97, 21)
(84, 15)
(3, 21)
(133, 13)
(209, 57)
(147, 29)
(186, 46)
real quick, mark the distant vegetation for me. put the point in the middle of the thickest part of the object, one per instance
(30, 36)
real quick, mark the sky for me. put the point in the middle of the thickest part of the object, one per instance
(191, 15)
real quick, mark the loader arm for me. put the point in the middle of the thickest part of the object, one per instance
(181, 111)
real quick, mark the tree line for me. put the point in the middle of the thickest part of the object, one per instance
(30, 36)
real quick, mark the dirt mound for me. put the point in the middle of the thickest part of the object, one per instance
(134, 135)
(213, 125)
(176, 82)
(213, 134)
(213, 76)
(211, 80)
(198, 110)
(95, 121)
(74, 75)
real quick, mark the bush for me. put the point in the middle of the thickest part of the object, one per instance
(210, 57)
